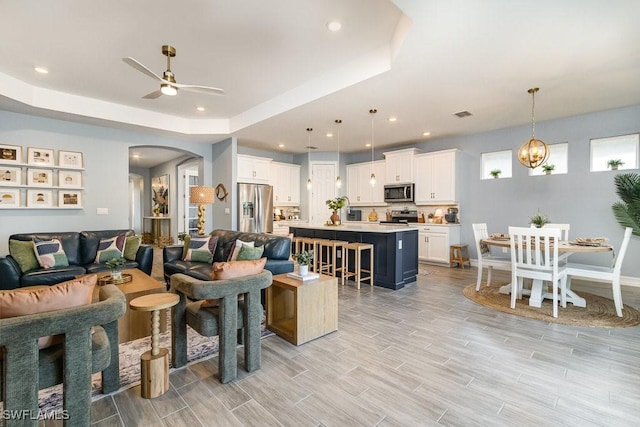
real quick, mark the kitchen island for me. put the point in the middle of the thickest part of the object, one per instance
(395, 248)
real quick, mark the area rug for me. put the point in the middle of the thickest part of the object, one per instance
(199, 348)
(599, 312)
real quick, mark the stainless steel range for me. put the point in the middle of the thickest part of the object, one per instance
(403, 216)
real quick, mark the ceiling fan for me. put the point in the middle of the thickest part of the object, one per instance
(168, 84)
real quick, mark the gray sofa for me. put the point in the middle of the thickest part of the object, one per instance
(277, 250)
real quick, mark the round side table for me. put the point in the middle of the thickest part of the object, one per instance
(154, 364)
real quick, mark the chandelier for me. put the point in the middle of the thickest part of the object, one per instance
(372, 181)
(309, 157)
(534, 152)
(338, 180)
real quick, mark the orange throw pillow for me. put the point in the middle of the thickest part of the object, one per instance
(235, 269)
(39, 299)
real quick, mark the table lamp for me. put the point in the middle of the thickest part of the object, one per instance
(201, 195)
(438, 216)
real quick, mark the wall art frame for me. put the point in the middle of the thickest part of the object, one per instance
(69, 199)
(69, 179)
(10, 154)
(70, 159)
(10, 198)
(39, 177)
(39, 198)
(10, 176)
(160, 195)
(40, 156)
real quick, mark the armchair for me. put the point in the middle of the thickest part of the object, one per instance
(230, 316)
(25, 369)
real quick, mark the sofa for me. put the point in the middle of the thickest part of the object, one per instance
(79, 247)
(277, 250)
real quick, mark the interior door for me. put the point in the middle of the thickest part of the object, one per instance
(189, 211)
(323, 179)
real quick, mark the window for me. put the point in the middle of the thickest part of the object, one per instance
(558, 157)
(624, 148)
(496, 160)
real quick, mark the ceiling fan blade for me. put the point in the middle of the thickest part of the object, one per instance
(200, 89)
(153, 95)
(138, 66)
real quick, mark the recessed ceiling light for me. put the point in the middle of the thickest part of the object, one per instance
(41, 70)
(426, 133)
(334, 26)
(281, 145)
(367, 145)
(392, 119)
(136, 156)
(329, 135)
(201, 109)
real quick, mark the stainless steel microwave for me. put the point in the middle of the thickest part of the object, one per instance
(398, 193)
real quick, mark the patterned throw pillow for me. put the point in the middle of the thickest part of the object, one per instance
(200, 249)
(22, 252)
(50, 253)
(250, 253)
(235, 250)
(131, 246)
(111, 248)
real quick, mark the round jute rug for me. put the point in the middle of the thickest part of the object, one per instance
(599, 313)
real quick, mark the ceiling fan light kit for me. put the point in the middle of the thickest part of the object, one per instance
(168, 84)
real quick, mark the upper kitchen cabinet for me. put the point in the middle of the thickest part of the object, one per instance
(285, 179)
(359, 188)
(253, 169)
(435, 177)
(399, 166)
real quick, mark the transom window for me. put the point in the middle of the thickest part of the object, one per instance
(558, 157)
(496, 161)
(616, 149)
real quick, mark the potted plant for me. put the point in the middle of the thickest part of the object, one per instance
(495, 173)
(627, 210)
(303, 259)
(335, 205)
(614, 164)
(181, 236)
(539, 219)
(548, 168)
(116, 265)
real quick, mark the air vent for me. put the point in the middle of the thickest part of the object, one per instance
(462, 114)
(311, 147)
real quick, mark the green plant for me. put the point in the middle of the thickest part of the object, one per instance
(181, 236)
(116, 264)
(337, 203)
(627, 211)
(548, 168)
(539, 219)
(495, 173)
(303, 258)
(614, 163)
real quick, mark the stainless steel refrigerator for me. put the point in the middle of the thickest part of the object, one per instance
(255, 208)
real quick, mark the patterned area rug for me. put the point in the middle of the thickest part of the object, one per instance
(199, 348)
(599, 312)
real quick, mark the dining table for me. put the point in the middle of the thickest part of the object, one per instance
(537, 292)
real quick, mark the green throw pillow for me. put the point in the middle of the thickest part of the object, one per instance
(131, 246)
(24, 255)
(248, 253)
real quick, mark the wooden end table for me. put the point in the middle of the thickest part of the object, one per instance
(302, 311)
(154, 364)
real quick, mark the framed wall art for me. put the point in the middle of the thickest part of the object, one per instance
(10, 154)
(40, 177)
(10, 176)
(160, 195)
(40, 156)
(69, 199)
(39, 198)
(10, 198)
(69, 159)
(69, 179)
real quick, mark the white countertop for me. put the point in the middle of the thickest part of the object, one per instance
(370, 227)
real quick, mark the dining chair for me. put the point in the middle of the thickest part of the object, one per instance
(608, 274)
(564, 236)
(485, 257)
(534, 255)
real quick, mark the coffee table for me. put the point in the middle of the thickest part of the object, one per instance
(133, 325)
(302, 311)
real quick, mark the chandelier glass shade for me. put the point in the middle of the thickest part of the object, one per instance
(534, 152)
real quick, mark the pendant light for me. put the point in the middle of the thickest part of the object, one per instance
(309, 157)
(372, 181)
(338, 180)
(534, 152)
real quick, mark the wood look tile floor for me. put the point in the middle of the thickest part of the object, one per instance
(420, 356)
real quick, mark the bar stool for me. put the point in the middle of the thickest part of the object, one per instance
(358, 248)
(322, 256)
(329, 264)
(459, 254)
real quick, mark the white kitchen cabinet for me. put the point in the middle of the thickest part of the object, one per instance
(253, 169)
(435, 177)
(399, 166)
(285, 179)
(359, 188)
(434, 242)
(280, 229)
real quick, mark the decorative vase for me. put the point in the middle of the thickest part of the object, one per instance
(335, 218)
(303, 270)
(547, 172)
(116, 275)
